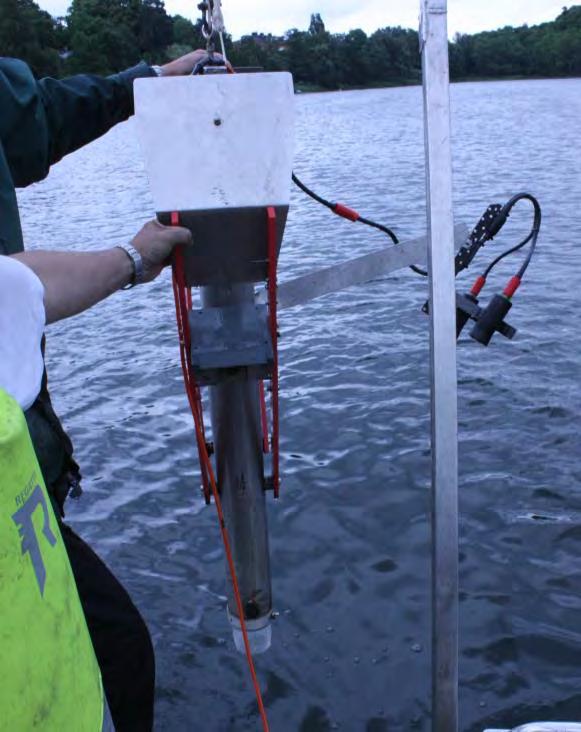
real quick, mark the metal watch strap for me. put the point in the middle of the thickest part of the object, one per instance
(157, 69)
(137, 263)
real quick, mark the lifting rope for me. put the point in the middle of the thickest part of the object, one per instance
(213, 24)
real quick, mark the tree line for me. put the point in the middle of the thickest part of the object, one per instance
(104, 36)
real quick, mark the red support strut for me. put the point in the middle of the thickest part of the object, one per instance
(183, 300)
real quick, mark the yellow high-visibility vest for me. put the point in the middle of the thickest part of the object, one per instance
(49, 676)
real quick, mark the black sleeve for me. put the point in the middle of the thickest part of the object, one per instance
(44, 120)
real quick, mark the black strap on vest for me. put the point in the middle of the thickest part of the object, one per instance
(53, 447)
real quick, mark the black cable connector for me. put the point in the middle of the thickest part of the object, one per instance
(491, 320)
(496, 224)
(467, 308)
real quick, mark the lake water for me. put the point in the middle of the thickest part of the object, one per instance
(350, 534)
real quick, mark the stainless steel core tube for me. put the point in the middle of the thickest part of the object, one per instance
(237, 434)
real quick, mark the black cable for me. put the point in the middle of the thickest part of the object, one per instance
(312, 194)
(361, 219)
(535, 232)
(493, 264)
(380, 227)
(532, 236)
(333, 207)
(490, 232)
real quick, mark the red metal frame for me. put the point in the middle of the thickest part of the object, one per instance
(183, 297)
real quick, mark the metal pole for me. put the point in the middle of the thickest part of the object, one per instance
(237, 434)
(434, 47)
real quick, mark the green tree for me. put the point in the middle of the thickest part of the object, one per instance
(460, 53)
(31, 34)
(258, 49)
(155, 29)
(104, 35)
(316, 26)
(499, 53)
(393, 55)
(187, 33)
(549, 49)
(108, 35)
(569, 18)
(354, 67)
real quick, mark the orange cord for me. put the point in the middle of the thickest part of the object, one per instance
(182, 296)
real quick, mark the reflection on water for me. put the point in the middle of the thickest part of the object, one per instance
(350, 535)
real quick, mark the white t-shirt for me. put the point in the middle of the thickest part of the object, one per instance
(22, 321)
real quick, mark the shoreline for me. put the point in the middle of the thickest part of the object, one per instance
(301, 88)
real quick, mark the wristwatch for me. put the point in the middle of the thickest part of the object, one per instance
(157, 69)
(137, 263)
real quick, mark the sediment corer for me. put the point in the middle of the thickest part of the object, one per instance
(218, 152)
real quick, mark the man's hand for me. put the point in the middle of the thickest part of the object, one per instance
(155, 242)
(75, 281)
(185, 65)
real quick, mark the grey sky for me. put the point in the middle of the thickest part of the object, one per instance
(466, 16)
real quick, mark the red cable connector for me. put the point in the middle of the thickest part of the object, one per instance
(512, 286)
(345, 212)
(478, 285)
